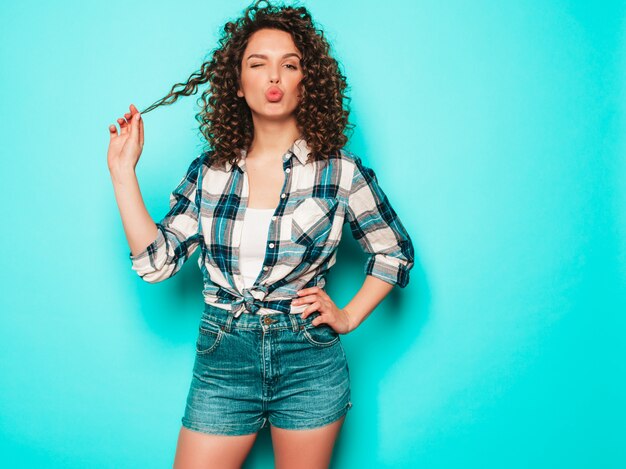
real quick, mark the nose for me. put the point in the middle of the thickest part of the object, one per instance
(274, 74)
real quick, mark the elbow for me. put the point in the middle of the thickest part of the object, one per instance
(403, 275)
(392, 269)
(154, 272)
(158, 272)
(158, 261)
(406, 261)
(154, 277)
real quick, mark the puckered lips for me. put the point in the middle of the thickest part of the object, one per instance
(273, 94)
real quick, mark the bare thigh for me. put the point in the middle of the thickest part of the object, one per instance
(196, 450)
(305, 449)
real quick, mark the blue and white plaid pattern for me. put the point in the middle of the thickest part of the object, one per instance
(207, 209)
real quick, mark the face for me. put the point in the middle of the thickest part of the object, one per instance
(271, 61)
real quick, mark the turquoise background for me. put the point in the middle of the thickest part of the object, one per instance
(496, 130)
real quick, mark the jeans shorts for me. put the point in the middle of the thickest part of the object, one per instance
(256, 369)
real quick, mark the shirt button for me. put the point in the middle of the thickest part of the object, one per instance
(271, 245)
(274, 217)
(283, 195)
(288, 170)
(265, 267)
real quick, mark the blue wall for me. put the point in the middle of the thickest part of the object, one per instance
(496, 130)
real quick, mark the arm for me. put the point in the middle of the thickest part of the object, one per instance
(380, 233)
(365, 301)
(139, 227)
(160, 250)
(123, 154)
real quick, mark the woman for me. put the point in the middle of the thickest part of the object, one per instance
(266, 203)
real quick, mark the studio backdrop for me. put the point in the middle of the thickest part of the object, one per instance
(496, 129)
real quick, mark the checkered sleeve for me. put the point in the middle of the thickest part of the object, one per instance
(177, 233)
(377, 228)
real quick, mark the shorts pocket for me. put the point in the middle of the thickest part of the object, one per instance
(209, 337)
(312, 219)
(321, 336)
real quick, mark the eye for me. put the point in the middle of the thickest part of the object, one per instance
(293, 67)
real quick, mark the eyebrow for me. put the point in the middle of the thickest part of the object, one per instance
(262, 56)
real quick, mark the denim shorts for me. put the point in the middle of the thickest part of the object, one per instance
(256, 369)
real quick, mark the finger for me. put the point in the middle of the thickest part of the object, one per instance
(133, 111)
(131, 114)
(311, 309)
(123, 125)
(305, 299)
(112, 131)
(134, 127)
(140, 131)
(318, 320)
(306, 291)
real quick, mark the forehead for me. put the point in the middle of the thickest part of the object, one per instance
(268, 41)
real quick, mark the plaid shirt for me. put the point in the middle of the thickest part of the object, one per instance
(207, 209)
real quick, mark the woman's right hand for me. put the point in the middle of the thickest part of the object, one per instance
(125, 147)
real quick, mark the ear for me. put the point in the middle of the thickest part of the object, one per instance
(239, 88)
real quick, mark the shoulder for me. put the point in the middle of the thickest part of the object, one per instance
(354, 164)
(338, 167)
(206, 159)
(207, 163)
(213, 177)
(346, 155)
(344, 159)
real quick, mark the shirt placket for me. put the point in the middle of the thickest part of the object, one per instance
(248, 301)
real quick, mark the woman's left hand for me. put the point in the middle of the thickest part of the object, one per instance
(337, 318)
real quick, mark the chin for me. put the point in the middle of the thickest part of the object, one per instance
(276, 111)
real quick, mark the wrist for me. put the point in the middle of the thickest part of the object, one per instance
(352, 321)
(122, 175)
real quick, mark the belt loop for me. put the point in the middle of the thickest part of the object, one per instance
(294, 323)
(229, 320)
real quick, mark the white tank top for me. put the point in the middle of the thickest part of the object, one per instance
(256, 224)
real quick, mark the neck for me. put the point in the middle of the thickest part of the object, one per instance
(272, 139)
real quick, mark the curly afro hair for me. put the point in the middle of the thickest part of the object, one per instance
(225, 119)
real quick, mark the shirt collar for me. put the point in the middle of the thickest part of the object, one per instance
(299, 148)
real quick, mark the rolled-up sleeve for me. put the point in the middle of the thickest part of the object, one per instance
(377, 228)
(177, 233)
